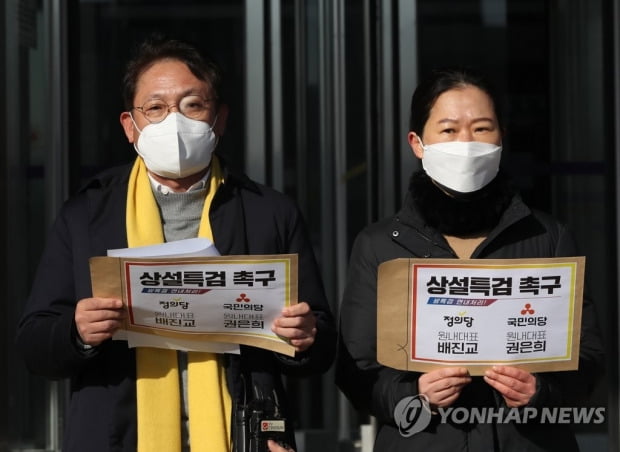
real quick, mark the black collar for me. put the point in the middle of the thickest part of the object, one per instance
(476, 213)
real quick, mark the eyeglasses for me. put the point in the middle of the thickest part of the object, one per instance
(193, 107)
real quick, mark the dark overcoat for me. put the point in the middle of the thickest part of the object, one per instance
(246, 218)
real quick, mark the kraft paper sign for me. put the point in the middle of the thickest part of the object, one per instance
(477, 313)
(228, 299)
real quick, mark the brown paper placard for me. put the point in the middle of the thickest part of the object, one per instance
(108, 280)
(395, 302)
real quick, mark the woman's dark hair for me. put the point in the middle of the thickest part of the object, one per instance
(440, 81)
(156, 48)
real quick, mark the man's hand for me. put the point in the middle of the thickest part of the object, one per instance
(297, 324)
(516, 385)
(275, 447)
(443, 386)
(97, 319)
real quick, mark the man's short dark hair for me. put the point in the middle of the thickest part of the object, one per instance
(156, 48)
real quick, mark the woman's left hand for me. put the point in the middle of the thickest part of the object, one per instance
(298, 325)
(516, 385)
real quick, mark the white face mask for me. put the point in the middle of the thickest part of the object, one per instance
(177, 146)
(462, 166)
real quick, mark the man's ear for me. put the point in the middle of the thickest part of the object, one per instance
(128, 126)
(415, 143)
(222, 117)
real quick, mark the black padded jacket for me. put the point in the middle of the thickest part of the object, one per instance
(376, 389)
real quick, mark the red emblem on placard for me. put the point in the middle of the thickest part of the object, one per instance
(527, 310)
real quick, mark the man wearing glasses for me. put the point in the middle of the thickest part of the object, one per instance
(177, 188)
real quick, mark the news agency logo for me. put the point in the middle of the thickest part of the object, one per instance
(412, 414)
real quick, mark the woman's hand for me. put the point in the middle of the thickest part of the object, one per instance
(443, 386)
(516, 385)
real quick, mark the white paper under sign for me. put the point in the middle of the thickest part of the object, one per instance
(198, 246)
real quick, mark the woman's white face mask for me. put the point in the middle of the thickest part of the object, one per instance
(176, 147)
(462, 166)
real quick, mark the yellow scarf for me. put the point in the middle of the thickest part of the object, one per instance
(157, 374)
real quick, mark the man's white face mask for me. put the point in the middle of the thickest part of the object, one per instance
(462, 166)
(176, 147)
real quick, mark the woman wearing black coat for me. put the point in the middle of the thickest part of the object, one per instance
(460, 206)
